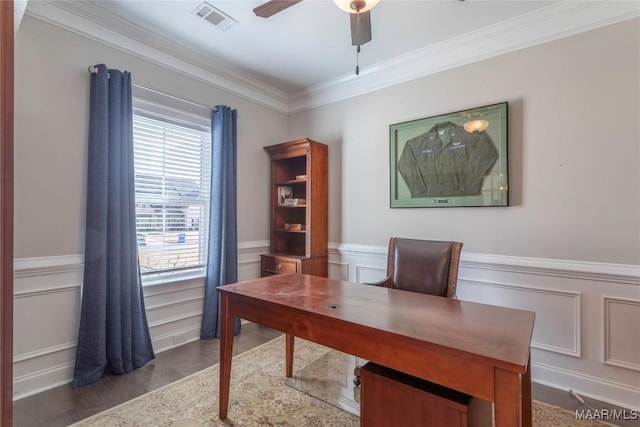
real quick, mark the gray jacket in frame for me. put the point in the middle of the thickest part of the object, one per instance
(447, 161)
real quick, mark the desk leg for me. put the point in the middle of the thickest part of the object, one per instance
(226, 355)
(527, 416)
(289, 355)
(507, 398)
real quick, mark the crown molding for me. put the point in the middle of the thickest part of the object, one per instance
(559, 20)
(19, 6)
(90, 20)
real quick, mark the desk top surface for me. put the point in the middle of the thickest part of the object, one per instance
(495, 333)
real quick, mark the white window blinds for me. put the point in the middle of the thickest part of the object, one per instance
(172, 175)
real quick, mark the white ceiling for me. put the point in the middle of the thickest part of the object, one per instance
(310, 42)
(306, 49)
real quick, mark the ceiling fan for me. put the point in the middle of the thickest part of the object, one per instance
(359, 13)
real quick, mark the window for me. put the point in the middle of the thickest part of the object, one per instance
(172, 159)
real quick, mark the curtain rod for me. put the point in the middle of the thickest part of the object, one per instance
(94, 70)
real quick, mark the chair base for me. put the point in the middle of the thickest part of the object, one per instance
(356, 373)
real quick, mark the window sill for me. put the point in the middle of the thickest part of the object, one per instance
(173, 278)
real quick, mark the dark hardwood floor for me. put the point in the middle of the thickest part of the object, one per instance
(63, 405)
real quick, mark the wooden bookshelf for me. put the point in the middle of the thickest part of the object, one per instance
(299, 197)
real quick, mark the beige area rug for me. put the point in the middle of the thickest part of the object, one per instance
(260, 397)
(330, 378)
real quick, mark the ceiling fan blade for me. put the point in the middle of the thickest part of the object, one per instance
(360, 28)
(272, 7)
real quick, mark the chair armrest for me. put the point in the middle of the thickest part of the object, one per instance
(386, 283)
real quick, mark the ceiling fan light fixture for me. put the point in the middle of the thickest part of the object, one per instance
(356, 6)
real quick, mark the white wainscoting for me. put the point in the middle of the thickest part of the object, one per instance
(45, 317)
(557, 331)
(620, 342)
(47, 313)
(585, 339)
(586, 336)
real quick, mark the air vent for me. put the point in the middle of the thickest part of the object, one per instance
(215, 16)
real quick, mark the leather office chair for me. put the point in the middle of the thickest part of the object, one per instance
(424, 266)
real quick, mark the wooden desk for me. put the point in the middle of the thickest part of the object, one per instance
(478, 349)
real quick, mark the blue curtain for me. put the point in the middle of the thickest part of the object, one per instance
(114, 335)
(222, 258)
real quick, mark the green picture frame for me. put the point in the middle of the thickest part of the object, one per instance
(451, 160)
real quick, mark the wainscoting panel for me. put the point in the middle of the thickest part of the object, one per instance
(171, 304)
(368, 274)
(557, 331)
(46, 318)
(248, 269)
(43, 359)
(174, 309)
(169, 292)
(45, 321)
(249, 259)
(338, 270)
(621, 343)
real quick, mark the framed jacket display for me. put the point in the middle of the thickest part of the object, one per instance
(455, 159)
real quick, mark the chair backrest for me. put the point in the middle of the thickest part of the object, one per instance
(425, 266)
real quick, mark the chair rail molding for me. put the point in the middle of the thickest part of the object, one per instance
(619, 273)
(25, 267)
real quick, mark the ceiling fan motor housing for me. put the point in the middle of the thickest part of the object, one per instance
(358, 5)
(360, 28)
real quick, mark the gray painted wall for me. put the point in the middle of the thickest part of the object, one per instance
(51, 128)
(573, 152)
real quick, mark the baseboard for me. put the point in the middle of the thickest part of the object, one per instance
(586, 385)
(46, 379)
(176, 339)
